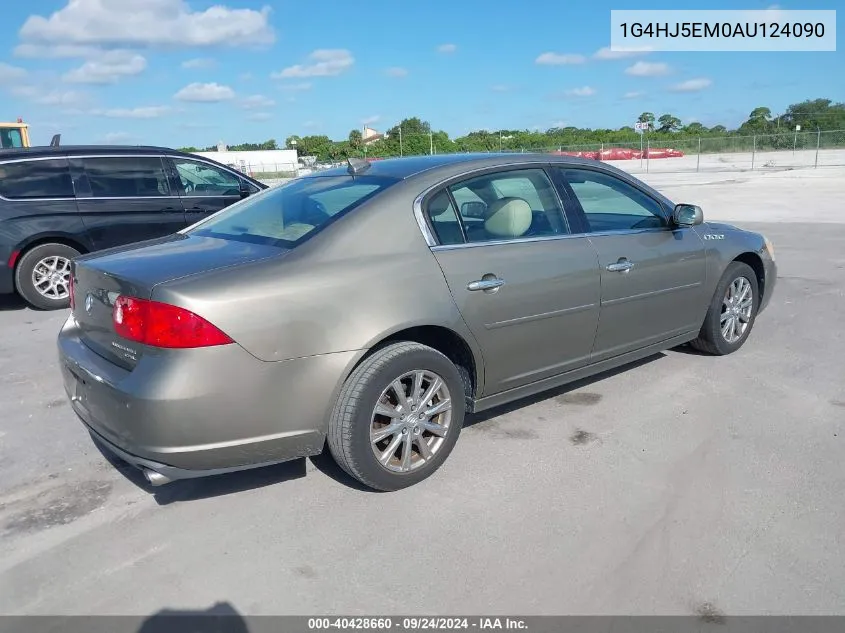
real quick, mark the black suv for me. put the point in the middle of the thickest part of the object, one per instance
(58, 202)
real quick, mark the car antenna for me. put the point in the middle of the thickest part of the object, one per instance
(358, 165)
(57, 139)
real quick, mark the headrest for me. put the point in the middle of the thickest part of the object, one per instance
(508, 217)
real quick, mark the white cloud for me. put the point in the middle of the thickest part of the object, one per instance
(143, 112)
(245, 76)
(606, 53)
(199, 63)
(447, 48)
(692, 85)
(586, 91)
(396, 71)
(647, 69)
(9, 73)
(148, 23)
(50, 97)
(49, 51)
(300, 87)
(205, 93)
(370, 120)
(257, 102)
(117, 138)
(559, 59)
(325, 62)
(260, 116)
(634, 94)
(107, 69)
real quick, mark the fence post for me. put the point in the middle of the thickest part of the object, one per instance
(698, 160)
(647, 155)
(753, 152)
(818, 143)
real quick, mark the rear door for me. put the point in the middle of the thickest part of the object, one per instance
(125, 199)
(527, 288)
(204, 188)
(652, 274)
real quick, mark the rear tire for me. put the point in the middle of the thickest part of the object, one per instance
(42, 276)
(730, 317)
(371, 428)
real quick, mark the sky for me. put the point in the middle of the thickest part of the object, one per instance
(197, 72)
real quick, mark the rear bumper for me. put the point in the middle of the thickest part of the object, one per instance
(191, 413)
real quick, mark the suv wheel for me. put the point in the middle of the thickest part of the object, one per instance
(398, 416)
(42, 276)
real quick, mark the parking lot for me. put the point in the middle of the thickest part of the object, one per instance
(686, 484)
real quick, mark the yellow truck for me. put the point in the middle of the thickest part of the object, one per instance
(14, 135)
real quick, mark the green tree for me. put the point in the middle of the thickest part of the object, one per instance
(646, 117)
(356, 139)
(668, 123)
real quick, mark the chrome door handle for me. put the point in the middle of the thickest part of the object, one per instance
(485, 284)
(622, 266)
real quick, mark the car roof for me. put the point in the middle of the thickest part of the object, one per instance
(43, 151)
(407, 167)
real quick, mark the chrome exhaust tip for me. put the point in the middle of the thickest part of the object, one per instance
(156, 479)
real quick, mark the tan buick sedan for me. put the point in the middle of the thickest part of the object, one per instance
(368, 309)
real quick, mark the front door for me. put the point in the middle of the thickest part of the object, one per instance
(125, 199)
(652, 274)
(527, 289)
(205, 188)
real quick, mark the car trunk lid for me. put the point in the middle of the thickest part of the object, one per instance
(99, 279)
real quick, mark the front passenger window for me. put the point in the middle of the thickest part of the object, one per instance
(200, 179)
(611, 204)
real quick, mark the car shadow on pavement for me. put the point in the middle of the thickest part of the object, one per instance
(207, 487)
(230, 483)
(489, 414)
(11, 302)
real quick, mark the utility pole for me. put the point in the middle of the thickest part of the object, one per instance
(400, 140)
(430, 142)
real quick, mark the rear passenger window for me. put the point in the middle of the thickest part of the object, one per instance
(444, 220)
(508, 205)
(36, 179)
(126, 176)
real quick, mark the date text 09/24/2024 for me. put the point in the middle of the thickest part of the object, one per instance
(416, 623)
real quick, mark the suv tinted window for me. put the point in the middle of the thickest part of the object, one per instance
(126, 176)
(202, 179)
(284, 215)
(36, 179)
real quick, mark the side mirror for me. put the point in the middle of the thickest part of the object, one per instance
(687, 215)
(473, 209)
(244, 189)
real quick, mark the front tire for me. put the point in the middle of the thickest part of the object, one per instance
(398, 416)
(732, 312)
(42, 277)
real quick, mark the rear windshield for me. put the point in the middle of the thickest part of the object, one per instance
(287, 214)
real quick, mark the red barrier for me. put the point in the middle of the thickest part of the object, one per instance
(621, 153)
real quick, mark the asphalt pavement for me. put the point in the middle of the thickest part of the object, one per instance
(685, 484)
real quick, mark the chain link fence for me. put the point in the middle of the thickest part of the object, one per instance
(648, 154)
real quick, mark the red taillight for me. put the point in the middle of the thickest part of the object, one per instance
(163, 325)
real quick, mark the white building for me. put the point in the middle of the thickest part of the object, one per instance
(258, 161)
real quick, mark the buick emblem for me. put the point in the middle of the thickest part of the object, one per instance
(89, 303)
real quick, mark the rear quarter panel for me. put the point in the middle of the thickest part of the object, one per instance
(365, 277)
